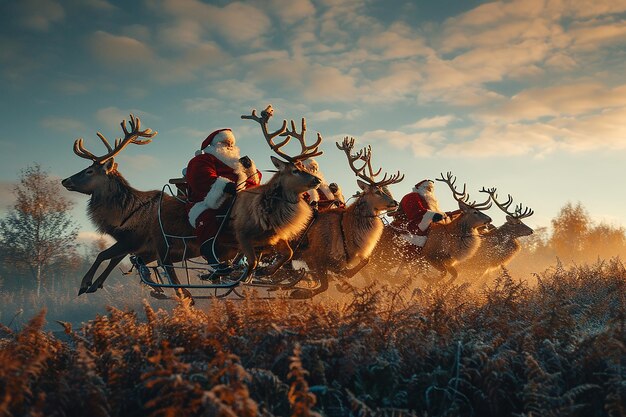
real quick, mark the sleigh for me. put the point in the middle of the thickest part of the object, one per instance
(197, 276)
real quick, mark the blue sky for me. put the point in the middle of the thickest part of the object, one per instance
(527, 96)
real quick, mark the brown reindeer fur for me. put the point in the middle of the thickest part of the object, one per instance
(131, 217)
(449, 244)
(272, 214)
(342, 239)
(499, 246)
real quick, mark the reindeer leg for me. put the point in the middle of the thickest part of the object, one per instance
(439, 266)
(304, 293)
(118, 249)
(452, 270)
(349, 273)
(247, 248)
(285, 255)
(103, 276)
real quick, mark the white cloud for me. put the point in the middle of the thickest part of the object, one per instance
(121, 52)
(325, 115)
(237, 23)
(325, 83)
(292, 11)
(432, 122)
(126, 54)
(399, 41)
(422, 144)
(62, 124)
(201, 104)
(138, 162)
(603, 131)
(504, 141)
(561, 100)
(39, 15)
(592, 37)
(235, 90)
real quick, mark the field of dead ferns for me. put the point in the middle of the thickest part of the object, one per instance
(554, 349)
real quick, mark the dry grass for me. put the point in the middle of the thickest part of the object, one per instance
(554, 349)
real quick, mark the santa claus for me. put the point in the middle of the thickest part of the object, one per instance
(326, 195)
(418, 210)
(213, 175)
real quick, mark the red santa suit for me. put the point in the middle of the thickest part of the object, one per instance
(416, 214)
(207, 175)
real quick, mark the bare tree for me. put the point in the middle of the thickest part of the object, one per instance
(38, 231)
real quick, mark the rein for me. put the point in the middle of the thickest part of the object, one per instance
(343, 238)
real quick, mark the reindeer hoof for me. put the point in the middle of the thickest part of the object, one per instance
(159, 295)
(84, 289)
(261, 272)
(343, 288)
(93, 288)
(301, 294)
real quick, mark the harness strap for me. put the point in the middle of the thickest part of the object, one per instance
(343, 238)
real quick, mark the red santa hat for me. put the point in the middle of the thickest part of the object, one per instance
(420, 184)
(218, 136)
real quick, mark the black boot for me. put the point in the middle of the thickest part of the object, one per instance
(219, 268)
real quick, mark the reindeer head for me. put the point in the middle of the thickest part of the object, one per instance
(471, 212)
(96, 176)
(375, 193)
(514, 225)
(291, 176)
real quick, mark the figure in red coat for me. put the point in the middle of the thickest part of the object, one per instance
(326, 195)
(216, 173)
(418, 210)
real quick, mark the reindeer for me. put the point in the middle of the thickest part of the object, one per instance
(342, 240)
(128, 215)
(274, 213)
(500, 244)
(450, 243)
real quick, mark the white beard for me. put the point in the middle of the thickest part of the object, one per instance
(229, 156)
(431, 200)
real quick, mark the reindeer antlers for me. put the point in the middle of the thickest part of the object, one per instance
(306, 151)
(365, 155)
(520, 212)
(462, 197)
(129, 137)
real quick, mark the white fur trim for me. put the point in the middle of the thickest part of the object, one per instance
(426, 220)
(414, 239)
(213, 200)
